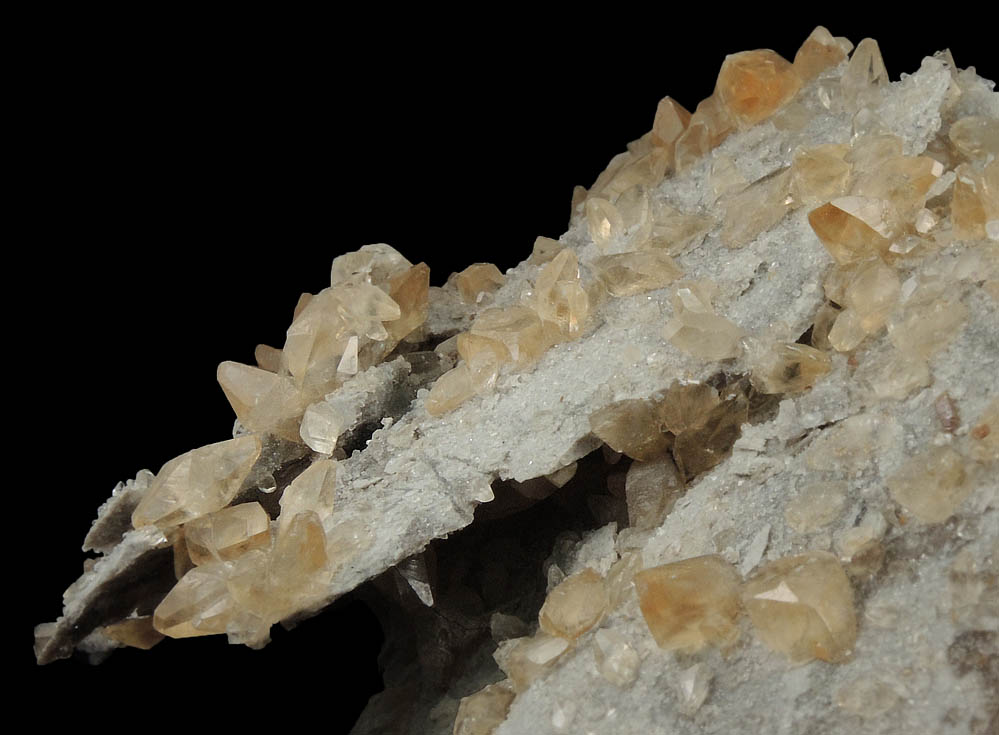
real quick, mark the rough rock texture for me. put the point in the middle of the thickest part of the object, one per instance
(925, 657)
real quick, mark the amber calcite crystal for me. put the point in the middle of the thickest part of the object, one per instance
(477, 280)
(517, 328)
(631, 427)
(575, 605)
(753, 85)
(616, 661)
(756, 209)
(450, 390)
(198, 482)
(626, 274)
(559, 297)
(651, 489)
(695, 327)
(137, 632)
(481, 713)
(852, 228)
(700, 448)
(525, 659)
(820, 51)
(263, 401)
(820, 174)
(932, 484)
(670, 122)
(787, 368)
(802, 606)
(227, 533)
(710, 124)
(691, 604)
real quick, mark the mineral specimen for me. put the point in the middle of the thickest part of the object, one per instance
(765, 347)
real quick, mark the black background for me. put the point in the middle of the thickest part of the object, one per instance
(188, 177)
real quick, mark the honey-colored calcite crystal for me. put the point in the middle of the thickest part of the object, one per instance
(450, 390)
(710, 124)
(616, 661)
(753, 85)
(577, 604)
(670, 121)
(932, 484)
(651, 489)
(820, 174)
(481, 713)
(975, 137)
(197, 483)
(410, 290)
(787, 368)
(478, 279)
(626, 274)
(545, 248)
(313, 490)
(137, 632)
(983, 443)
(802, 606)
(632, 427)
(975, 204)
(518, 329)
(820, 51)
(525, 659)
(687, 406)
(865, 74)
(267, 358)
(700, 448)
(873, 294)
(921, 328)
(756, 209)
(695, 327)
(374, 264)
(604, 222)
(559, 297)
(852, 228)
(691, 604)
(264, 402)
(227, 533)
(199, 604)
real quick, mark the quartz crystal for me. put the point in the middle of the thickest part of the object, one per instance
(197, 483)
(691, 604)
(575, 605)
(227, 533)
(802, 606)
(753, 85)
(481, 713)
(932, 484)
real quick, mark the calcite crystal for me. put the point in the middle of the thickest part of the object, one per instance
(691, 604)
(803, 607)
(734, 433)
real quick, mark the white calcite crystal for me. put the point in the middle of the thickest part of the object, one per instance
(762, 364)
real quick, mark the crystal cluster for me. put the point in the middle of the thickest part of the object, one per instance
(765, 486)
